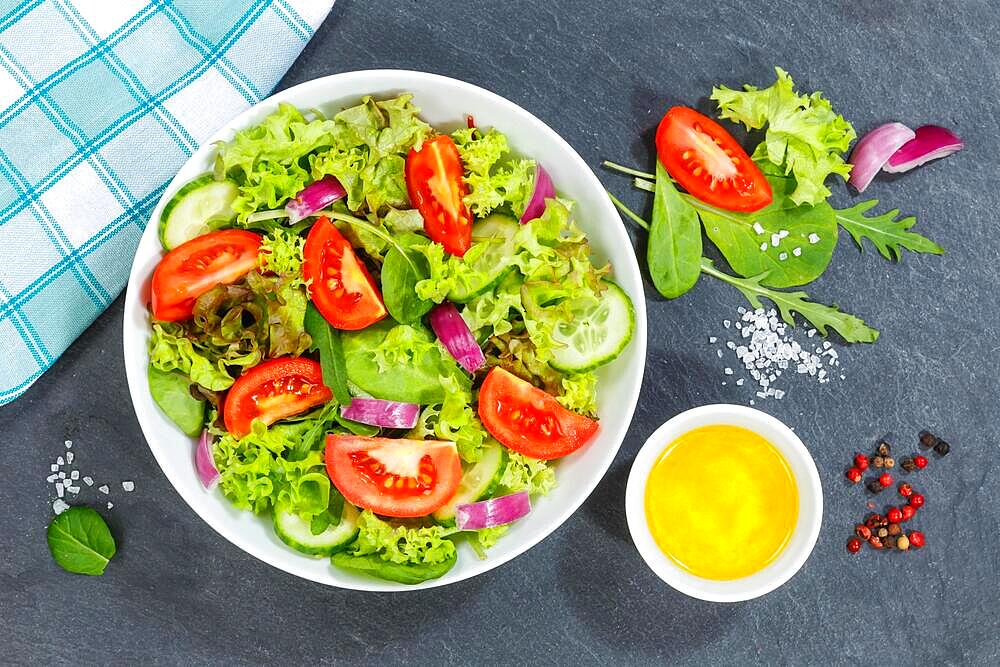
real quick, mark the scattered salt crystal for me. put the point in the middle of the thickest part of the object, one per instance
(128, 486)
(797, 252)
(757, 228)
(712, 339)
(782, 233)
(110, 505)
(59, 506)
(751, 401)
(54, 467)
(726, 323)
(739, 383)
(719, 352)
(75, 474)
(731, 345)
(811, 333)
(69, 457)
(728, 371)
(104, 489)
(775, 240)
(60, 461)
(51, 478)
(73, 489)
(61, 475)
(88, 480)
(763, 246)
(814, 238)
(783, 256)
(59, 489)
(779, 394)
(68, 443)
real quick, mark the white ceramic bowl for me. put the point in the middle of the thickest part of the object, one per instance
(806, 529)
(445, 103)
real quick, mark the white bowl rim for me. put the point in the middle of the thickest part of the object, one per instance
(807, 480)
(383, 80)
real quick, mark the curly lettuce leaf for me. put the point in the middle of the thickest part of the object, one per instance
(579, 393)
(526, 474)
(171, 350)
(281, 252)
(495, 179)
(804, 136)
(402, 544)
(481, 540)
(454, 419)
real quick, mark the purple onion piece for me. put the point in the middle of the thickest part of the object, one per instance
(456, 337)
(387, 414)
(543, 190)
(314, 197)
(929, 143)
(874, 150)
(204, 462)
(492, 512)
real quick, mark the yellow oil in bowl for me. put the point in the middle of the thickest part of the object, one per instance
(721, 502)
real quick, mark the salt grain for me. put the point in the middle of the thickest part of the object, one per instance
(783, 256)
(60, 461)
(757, 228)
(797, 252)
(814, 238)
(75, 474)
(763, 246)
(104, 489)
(54, 467)
(88, 480)
(775, 240)
(110, 505)
(128, 486)
(69, 457)
(68, 443)
(59, 506)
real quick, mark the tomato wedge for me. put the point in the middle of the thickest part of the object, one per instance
(341, 287)
(528, 420)
(195, 267)
(434, 181)
(400, 478)
(709, 163)
(274, 390)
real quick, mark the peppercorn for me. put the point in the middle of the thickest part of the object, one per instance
(905, 490)
(908, 512)
(879, 461)
(862, 531)
(882, 532)
(902, 543)
(916, 539)
(908, 464)
(875, 542)
(875, 487)
(861, 462)
(885, 480)
(894, 515)
(875, 521)
(942, 448)
(854, 545)
(920, 461)
(916, 501)
(928, 439)
(888, 543)
(894, 529)
(854, 475)
(889, 462)
(885, 445)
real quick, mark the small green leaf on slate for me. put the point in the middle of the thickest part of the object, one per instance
(80, 541)
(886, 233)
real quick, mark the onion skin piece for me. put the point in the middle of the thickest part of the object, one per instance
(930, 143)
(314, 197)
(454, 334)
(874, 150)
(377, 412)
(492, 512)
(544, 189)
(204, 462)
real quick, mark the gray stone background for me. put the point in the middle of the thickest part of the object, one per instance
(601, 74)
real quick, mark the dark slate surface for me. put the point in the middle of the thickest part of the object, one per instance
(601, 74)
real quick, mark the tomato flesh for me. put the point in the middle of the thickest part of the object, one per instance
(195, 267)
(709, 163)
(434, 181)
(394, 477)
(274, 390)
(528, 420)
(340, 285)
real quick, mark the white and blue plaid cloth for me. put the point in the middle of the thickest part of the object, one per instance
(101, 102)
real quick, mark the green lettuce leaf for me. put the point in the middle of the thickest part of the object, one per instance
(171, 350)
(804, 136)
(495, 179)
(526, 474)
(454, 419)
(402, 544)
(579, 393)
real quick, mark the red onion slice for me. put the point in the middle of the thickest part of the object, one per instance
(204, 462)
(376, 412)
(492, 512)
(543, 190)
(929, 143)
(456, 337)
(314, 197)
(874, 150)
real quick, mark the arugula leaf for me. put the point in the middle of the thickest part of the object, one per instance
(736, 238)
(399, 281)
(80, 541)
(886, 233)
(674, 240)
(172, 392)
(326, 340)
(853, 329)
(804, 135)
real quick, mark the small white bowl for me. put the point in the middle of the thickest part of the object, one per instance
(806, 528)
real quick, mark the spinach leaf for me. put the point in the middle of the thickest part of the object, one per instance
(357, 428)
(80, 541)
(752, 254)
(326, 339)
(404, 573)
(399, 362)
(172, 392)
(674, 240)
(886, 233)
(400, 275)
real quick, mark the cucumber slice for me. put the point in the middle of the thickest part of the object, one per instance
(595, 335)
(295, 532)
(187, 213)
(478, 481)
(495, 263)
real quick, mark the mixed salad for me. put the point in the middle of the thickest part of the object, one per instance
(382, 335)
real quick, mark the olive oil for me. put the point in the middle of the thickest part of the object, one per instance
(721, 502)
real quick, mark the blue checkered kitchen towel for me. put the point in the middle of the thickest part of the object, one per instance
(101, 102)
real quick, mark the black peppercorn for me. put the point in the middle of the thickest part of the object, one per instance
(942, 448)
(908, 464)
(875, 486)
(928, 439)
(884, 445)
